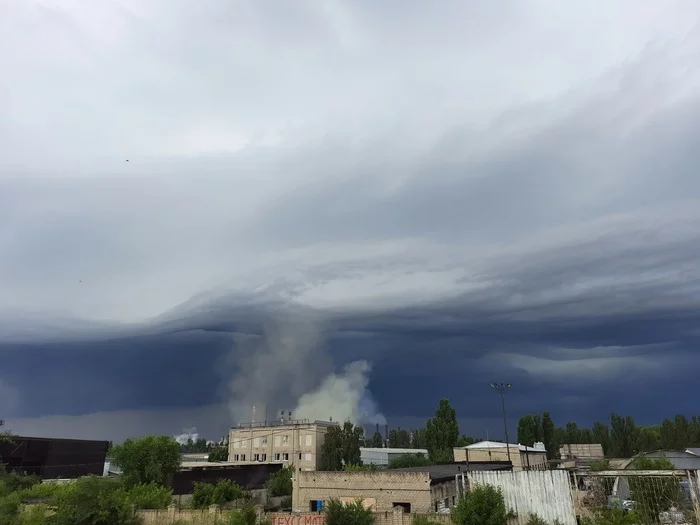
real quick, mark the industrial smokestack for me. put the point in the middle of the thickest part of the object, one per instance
(386, 433)
(253, 418)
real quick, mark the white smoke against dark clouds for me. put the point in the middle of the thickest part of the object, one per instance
(288, 366)
(342, 397)
(189, 434)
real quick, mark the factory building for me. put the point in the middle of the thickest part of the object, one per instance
(285, 441)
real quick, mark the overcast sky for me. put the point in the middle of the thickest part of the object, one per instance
(456, 192)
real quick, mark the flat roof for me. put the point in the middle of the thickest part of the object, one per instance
(223, 464)
(450, 470)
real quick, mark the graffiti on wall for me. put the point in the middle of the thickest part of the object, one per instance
(299, 519)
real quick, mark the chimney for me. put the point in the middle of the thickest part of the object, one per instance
(253, 419)
(281, 416)
(386, 432)
(289, 416)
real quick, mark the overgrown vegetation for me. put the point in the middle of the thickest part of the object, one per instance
(338, 513)
(654, 494)
(422, 519)
(150, 459)
(611, 516)
(218, 454)
(206, 494)
(280, 483)
(483, 505)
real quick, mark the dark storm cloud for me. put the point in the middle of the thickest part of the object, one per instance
(443, 204)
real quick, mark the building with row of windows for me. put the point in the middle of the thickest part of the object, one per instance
(297, 442)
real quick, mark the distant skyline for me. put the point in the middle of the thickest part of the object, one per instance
(442, 195)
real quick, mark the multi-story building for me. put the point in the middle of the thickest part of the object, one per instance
(521, 456)
(287, 441)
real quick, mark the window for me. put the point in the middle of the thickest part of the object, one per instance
(308, 440)
(264, 441)
(285, 440)
(277, 457)
(256, 457)
(299, 456)
(256, 442)
(263, 457)
(242, 457)
(285, 456)
(406, 506)
(307, 457)
(454, 500)
(243, 443)
(235, 457)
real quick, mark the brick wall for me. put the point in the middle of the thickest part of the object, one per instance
(381, 489)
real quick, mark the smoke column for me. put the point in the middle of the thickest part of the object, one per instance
(288, 366)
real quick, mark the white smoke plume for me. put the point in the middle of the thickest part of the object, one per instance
(342, 397)
(188, 433)
(288, 366)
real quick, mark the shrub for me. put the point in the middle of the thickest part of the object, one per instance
(9, 507)
(218, 454)
(149, 496)
(483, 505)
(93, 501)
(280, 483)
(534, 519)
(16, 482)
(34, 515)
(206, 494)
(338, 513)
(243, 516)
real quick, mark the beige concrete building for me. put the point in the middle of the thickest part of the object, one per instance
(416, 492)
(290, 442)
(522, 457)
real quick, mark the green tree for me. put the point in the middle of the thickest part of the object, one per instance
(419, 438)
(338, 513)
(442, 433)
(218, 454)
(571, 433)
(352, 439)
(409, 460)
(93, 501)
(601, 435)
(206, 494)
(280, 483)
(549, 436)
(399, 438)
(647, 439)
(622, 432)
(332, 449)
(465, 441)
(527, 430)
(150, 459)
(377, 440)
(482, 505)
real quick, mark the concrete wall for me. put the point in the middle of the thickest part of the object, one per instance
(543, 492)
(219, 517)
(381, 489)
(298, 444)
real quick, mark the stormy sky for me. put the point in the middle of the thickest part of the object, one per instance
(456, 192)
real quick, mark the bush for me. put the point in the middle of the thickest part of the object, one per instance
(534, 519)
(16, 482)
(338, 513)
(147, 459)
(34, 515)
(9, 508)
(280, 483)
(483, 505)
(611, 516)
(93, 501)
(206, 494)
(243, 516)
(149, 496)
(218, 454)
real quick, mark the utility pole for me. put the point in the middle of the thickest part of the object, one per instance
(501, 388)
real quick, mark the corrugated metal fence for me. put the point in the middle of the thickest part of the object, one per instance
(542, 492)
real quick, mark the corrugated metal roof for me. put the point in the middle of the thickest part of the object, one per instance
(499, 444)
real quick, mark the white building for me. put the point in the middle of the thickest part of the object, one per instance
(382, 457)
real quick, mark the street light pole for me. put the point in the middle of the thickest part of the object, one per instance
(501, 388)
